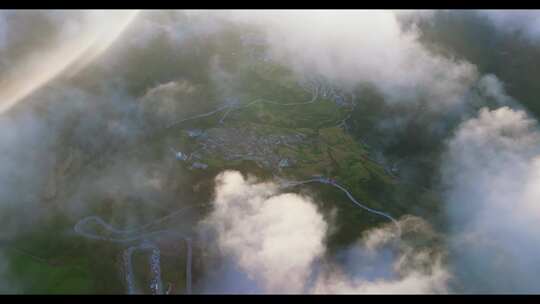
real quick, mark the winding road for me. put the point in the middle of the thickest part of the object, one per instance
(188, 266)
(260, 100)
(231, 107)
(156, 284)
(79, 228)
(328, 181)
(198, 116)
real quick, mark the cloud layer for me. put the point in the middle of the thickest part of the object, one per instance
(491, 175)
(524, 22)
(274, 237)
(82, 37)
(274, 243)
(351, 47)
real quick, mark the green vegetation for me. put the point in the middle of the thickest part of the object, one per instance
(40, 277)
(54, 259)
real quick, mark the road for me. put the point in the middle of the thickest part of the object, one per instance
(123, 232)
(313, 99)
(328, 181)
(188, 266)
(198, 116)
(156, 285)
(231, 107)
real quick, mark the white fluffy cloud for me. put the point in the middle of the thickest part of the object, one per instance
(491, 173)
(167, 103)
(362, 46)
(274, 237)
(382, 263)
(414, 283)
(277, 240)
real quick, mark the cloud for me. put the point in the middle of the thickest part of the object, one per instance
(274, 243)
(490, 173)
(351, 47)
(382, 263)
(24, 140)
(492, 87)
(83, 36)
(166, 103)
(273, 237)
(524, 22)
(413, 283)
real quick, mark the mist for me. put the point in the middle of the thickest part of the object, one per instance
(77, 40)
(351, 47)
(525, 23)
(266, 250)
(490, 174)
(81, 98)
